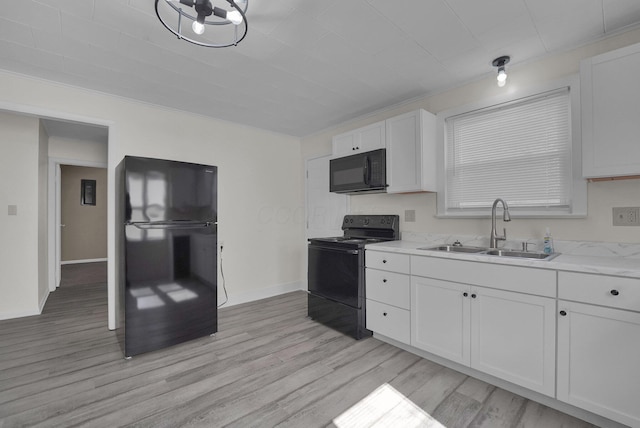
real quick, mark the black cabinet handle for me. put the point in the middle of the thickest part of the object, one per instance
(563, 313)
(384, 313)
(384, 280)
(465, 294)
(615, 292)
(473, 296)
(384, 261)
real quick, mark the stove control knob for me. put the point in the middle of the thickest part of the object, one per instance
(366, 221)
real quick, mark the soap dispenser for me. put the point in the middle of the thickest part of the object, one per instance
(547, 242)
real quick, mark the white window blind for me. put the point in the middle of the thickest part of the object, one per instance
(519, 151)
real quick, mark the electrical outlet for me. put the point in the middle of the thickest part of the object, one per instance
(626, 216)
(409, 215)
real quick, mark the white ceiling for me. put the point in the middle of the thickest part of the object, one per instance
(305, 65)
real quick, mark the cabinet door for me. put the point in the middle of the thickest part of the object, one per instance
(393, 262)
(404, 153)
(388, 287)
(365, 139)
(344, 144)
(371, 137)
(610, 103)
(388, 320)
(598, 360)
(440, 318)
(513, 337)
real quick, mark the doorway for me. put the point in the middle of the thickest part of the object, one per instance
(83, 224)
(82, 149)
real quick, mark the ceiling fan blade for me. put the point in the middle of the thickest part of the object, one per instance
(188, 2)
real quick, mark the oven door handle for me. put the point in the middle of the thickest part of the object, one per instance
(337, 250)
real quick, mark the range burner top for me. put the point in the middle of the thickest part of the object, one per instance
(360, 230)
(345, 241)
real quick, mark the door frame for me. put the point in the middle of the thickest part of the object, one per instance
(347, 199)
(55, 114)
(54, 206)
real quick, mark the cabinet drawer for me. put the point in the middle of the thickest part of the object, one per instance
(613, 291)
(387, 261)
(388, 287)
(540, 282)
(388, 321)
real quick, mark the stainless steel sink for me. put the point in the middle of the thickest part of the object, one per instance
(520, 254)
(454, 249)
(492, 252)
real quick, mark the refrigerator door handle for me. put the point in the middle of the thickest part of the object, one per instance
(169, 225)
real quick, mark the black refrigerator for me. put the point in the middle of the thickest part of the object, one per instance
(168, 287)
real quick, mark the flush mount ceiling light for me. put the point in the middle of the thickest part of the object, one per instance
(203, 23)
(502, 74)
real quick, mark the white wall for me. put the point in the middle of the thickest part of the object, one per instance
(19, 146)
(259, 178)
(602, 196)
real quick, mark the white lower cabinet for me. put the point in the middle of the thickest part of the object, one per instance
(388, 320)
(599, 345)
(599, 360)
(505, 334)
(513, 337)
(387, 290)
(440, 318)
(504, 321)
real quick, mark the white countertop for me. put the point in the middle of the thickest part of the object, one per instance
(605, 265)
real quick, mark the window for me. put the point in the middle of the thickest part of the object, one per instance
(524, 150)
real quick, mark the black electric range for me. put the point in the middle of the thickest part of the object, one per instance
(336, 273)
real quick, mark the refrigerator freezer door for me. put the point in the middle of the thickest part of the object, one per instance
(159, 190)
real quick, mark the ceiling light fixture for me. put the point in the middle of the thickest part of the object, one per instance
(211, 26)
(502, 74)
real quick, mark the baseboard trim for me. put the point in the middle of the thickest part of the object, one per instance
(43, 301)
(73, 262)
(262, 293)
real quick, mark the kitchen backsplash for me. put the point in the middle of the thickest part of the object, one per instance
(576, 248)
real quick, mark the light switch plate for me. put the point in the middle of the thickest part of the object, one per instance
(12, 210)
(626, 216)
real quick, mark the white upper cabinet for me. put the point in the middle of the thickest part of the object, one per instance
(360, 140)
(411, 149)
(610, 91)
(411, 156)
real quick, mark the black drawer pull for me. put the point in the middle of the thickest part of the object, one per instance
(384, 280)
(563, 313)
(465, 294)
(615, 292)
(384, 313)
(384, 261)
(473, 296)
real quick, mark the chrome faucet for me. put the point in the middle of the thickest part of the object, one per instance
(493, 243)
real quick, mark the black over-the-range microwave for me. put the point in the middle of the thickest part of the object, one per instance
(362, 172)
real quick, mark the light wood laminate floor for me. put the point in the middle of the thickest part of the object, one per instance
(267, 366)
